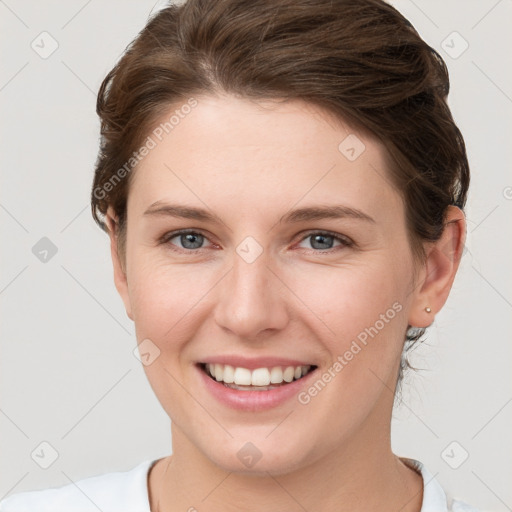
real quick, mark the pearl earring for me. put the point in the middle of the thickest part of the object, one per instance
(428, 310)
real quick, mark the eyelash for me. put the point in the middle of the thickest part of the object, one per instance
(344, 241)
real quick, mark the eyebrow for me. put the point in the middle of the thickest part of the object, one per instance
(184, 212)
(160, 208)
(325, 212)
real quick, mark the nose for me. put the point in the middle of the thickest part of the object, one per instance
(251, 300)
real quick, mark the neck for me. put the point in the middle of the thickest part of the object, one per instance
(362, 474)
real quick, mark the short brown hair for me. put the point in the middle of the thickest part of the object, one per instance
(360, 60)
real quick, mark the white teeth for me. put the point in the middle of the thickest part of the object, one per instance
(260, 377)
(276, 375)
(243, 377)
(229, 374)
(288, 374)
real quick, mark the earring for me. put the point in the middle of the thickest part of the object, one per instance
(428, 310)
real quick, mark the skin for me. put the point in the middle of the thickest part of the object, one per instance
(250, 163)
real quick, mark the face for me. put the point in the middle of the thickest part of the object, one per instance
(256, 243)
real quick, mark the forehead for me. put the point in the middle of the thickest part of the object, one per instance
(247, 153)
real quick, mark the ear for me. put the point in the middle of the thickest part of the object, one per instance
(439, 270)
(120, 278)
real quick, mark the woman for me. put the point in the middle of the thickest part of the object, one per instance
(283, 186)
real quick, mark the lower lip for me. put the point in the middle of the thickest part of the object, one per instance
(253, 400)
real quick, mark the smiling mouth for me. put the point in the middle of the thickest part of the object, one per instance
(259, 379)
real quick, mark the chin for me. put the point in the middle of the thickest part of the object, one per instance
(258, 455)
(275, 464)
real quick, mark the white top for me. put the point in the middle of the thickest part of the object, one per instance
(127, 491)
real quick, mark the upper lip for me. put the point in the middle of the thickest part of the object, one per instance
(251, 363)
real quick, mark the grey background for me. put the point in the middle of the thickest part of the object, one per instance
(68, 373)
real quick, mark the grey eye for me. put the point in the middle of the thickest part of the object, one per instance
(320, 241)
(324, 241)
(190, 240)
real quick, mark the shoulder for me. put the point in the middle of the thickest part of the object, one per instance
(461, 506)
(122, 491)
(434, 497)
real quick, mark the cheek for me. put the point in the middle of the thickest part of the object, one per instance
(351, 297)
(359, 320)
(166, 299)
(363, 312)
